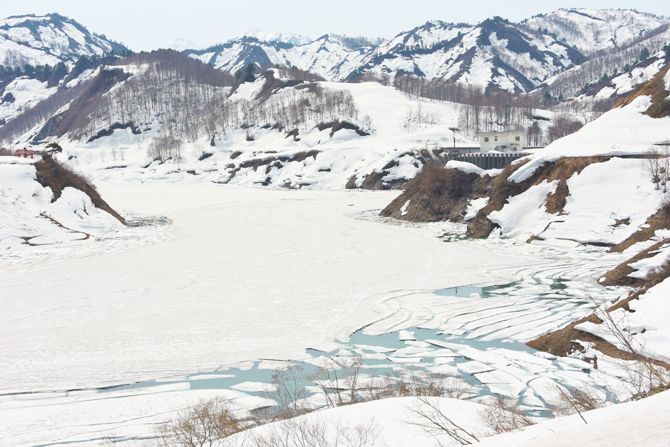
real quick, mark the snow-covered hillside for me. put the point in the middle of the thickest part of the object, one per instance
(495, 54)
(560, 192)
(41, 204)
(49, 39)
(592, 30)
(274, 131)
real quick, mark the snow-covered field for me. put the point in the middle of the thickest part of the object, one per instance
(249, 274)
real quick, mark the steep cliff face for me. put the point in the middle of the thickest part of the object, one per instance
(438, 194)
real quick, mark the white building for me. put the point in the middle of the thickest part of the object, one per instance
(508, 141)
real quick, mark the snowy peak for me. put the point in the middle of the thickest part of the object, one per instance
(424, 37)
(492, 55)
(49, 39)
(592, 30)
(330, 56)
(277, 36)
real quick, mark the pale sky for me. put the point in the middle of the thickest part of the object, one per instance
(149, 24)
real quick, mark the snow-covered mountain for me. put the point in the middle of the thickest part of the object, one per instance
(495, 54)
(591, 30)
(49, 39)
(332, 57)
(610, 74)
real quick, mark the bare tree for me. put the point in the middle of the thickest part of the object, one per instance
(339, 381)
(644, 373)
(434, 420)
(289, 392)
(653, 166)
(203, 425)
(164, 148)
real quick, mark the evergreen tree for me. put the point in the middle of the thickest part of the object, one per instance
(645, 54)
(247, 74)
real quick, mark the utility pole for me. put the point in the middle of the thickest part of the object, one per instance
(453, 131)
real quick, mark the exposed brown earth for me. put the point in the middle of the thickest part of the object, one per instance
(556, 200)
(563, 341)
(375, 180)
(660, 220)
(338, 125)
(50, 173)
(655, 88)
(269, 163)
(438, 194)
(618, 276)
(502, 189)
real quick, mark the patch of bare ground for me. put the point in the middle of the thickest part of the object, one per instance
(270, 163)
(619, 275)
(502, 190)
(377, 179)
(556, 200)
(52, 174)
(660, 220)
(338, 125)
(564, 341)
(655, 88)
(437, 194)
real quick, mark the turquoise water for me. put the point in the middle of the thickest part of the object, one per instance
(395, 354)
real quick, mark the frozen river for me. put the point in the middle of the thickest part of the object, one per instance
(244, 280)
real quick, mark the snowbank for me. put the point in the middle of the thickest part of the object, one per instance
(646, 324)
(391, 422)
(465, 167)
(636, 424)
(30, 217)
(621, 131)
(605, 203)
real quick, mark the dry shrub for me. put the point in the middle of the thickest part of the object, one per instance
(505, 416)
(305, 433)
(415, 385)
(202, 425)
(578, 401)
(646, 375)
